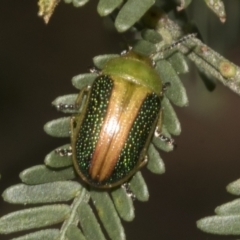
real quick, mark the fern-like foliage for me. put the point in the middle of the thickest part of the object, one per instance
(51, 184)
(128, 12)
(227, 218)
(86, 211)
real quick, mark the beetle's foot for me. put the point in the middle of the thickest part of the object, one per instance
(157, 132)
(167, 140)
(126, 51)
(129, 192)
(166, 85)
(64, 151)
(64, 106)
(94, 70)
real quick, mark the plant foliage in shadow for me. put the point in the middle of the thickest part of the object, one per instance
(227, 218)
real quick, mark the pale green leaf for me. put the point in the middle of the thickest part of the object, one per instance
(106, 7)
(123, 203)
(155, 162)
(234, 187)
(74, 233)
(230, 208)
(131, 12)
(144, 48)
(101, 60)
(48, 234)
(224, 225)
(151, 36)
(66, 99)
(108, 214)
(58, 128)
(41, 174)
(42, 193)
(33, 218)
(161, 144)
(79, 3)
(170, 119)
(176, 91)
(54, 160)
(139, 187)
(82, 80)
(217, 6)
(89, 223)
(178, 62)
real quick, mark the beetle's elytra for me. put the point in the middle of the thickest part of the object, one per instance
(110, 137)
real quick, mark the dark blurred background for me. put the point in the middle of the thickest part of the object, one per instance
(37, 63)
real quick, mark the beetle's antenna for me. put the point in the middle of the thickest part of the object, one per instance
(178, 42)
(173, 45)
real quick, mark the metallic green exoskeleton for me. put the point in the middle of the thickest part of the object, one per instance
(121, 112)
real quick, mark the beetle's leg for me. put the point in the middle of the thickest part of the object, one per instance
(64, 151)
(77, 104)
(158, 131)
(73, 123)
(167, 140)
(129, 192)
(166, 85)
(124, 52)
(81, 95)
(94, 70)
(64, 106)
(143, 162)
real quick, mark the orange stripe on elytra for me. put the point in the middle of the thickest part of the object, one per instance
(122, 110)
(107, 131)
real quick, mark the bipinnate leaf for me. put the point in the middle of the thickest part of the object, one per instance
(212, 63)
(58, 128)
(54, 160)
(43, 193)
(223, 225)
(108, 215)
(123, 203)
(48, 234)
(89, 222)
(41, 174)
(155, 162)
(227, 220)
(131, 12)
(34, 218)
(139, 188)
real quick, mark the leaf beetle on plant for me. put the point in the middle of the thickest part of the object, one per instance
(120, 113)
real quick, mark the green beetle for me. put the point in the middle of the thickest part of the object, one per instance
(121, 112)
